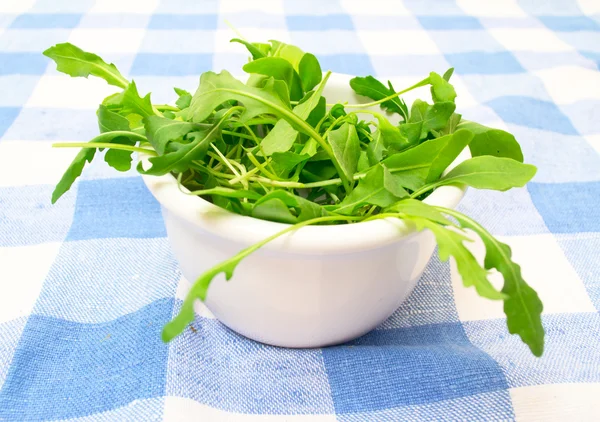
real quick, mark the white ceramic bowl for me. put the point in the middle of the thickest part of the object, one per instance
(317, 286)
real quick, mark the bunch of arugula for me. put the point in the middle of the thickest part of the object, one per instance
(272, 148)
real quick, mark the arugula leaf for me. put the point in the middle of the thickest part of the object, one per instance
(306, 210)
(376, 150)
(434, 117)
(487, 172)
(161, 131)
(426, 160)
(254, 49)
(284, 162)
(279, 69)
(488, 141)
(183, 155)
(378, 187)
(200, 288)
(75, 62)
(523, 307)
(448, 74)
(346, 148)
(73, 172)
(452, 124)
(283, 135)
(86, 155)
(441, 89)
(372, 88)
(273, 209)
(412, 132)
(451, 243)
(289, 52)
(184, 100)
(414, 207)
(218, 88)
(310, 72)
(447, 154)
(109, 121)
(132, 102)
(392, 138)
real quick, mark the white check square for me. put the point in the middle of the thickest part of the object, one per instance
(61, 91)
(120, 6)
(16, 7)
(594, 141)
(589, 7)
(361, 7)
(46, 165)
(530, 39)
(391, 43)
(22, 281)
(569, 84)
(556, 402)
(496, 8)
(102, 41)
(237, 6)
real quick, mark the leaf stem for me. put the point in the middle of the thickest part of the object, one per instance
(103, 145)
(200, 288)
(390, 97)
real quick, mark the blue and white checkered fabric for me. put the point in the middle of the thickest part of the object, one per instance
(87, 284)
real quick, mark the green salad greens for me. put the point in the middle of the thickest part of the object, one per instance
(273, 148)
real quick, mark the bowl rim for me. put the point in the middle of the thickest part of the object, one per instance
(321, 239)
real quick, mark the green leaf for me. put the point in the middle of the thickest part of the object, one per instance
(488, 141)
(448, 74)
(254, 50)
(452, 124)
(73, 172)
(447, 154)
(441, 89)
(415, 207)
(310, 72)
(229, 193)
(75, 62)
(283, 135)
(487, 172)
(363, 162)
(133, 103)
(160, 131)
(218, 88)
(434, 117)
(86, 155)
(451, 243)
(284, 162)
(378, 187)
(392, 138)
(183, 155)
(372, 88)
(289, 52)
(412, 132)
(346, 148)
(109, 121)
(184, 100)
(523, 307)
(279, 69)
(376, 150)
(416, 164)
(306, 210)
(273, 209)
(118, 159)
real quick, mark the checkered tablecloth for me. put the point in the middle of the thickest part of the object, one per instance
(87, 284)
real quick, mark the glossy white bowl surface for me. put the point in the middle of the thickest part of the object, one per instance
(317, 286)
